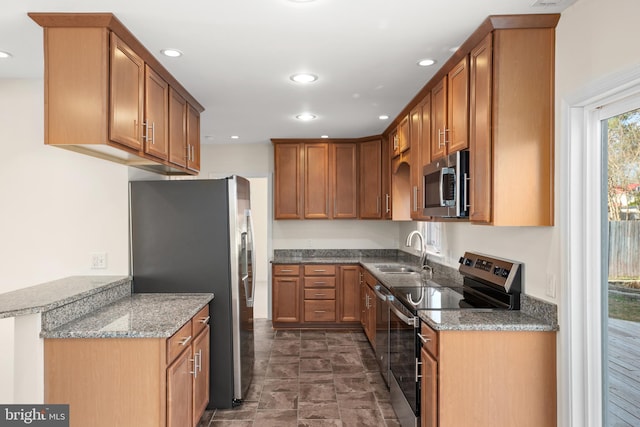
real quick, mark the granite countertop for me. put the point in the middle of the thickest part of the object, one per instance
(472, 320)
(136, 316)
(535, 315)
(50, 295)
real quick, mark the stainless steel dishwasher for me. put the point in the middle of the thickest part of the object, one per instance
(382, 330)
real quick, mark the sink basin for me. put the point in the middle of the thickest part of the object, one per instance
(396, 268)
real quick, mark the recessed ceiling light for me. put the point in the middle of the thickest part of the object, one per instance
(305, 117)
(235, 137)
(426, 62)
(324, 136)
(4, 55)
(171, 53)
(302, 1)
(383, 117)
(304, 78)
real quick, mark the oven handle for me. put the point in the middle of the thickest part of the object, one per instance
(411, 321)
(380, 295)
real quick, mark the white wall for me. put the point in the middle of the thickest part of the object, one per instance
(57, 208)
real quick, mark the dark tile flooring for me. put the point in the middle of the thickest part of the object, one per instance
(308, 379)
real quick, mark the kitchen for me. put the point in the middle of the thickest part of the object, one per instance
(44, 240)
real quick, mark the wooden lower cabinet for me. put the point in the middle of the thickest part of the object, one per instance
(131, 382)
(369, 311)
(488, 378)
(315, 295)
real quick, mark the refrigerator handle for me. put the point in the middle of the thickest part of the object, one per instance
(253, 259)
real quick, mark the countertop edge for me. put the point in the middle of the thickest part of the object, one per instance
(41, 308)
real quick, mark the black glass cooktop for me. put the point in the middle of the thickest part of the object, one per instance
(431, 298)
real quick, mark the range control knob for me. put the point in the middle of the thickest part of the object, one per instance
(505, 272)
(497, 271)
(465, 261)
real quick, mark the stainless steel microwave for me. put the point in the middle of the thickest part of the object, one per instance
(446, 186)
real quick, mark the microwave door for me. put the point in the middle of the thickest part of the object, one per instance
(433, 196)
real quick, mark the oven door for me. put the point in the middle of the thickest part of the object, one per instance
(403, 359)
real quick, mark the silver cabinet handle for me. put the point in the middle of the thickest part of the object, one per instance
(320, 311)
(153, 133)
(418, 364)
(286, 271)
(319, 271)
(144, 131)
(205, 320)
(193, 153)
(387, 197)
(319, 295)
(424, 339)
(415, 198)
(185, 340)
(319, 283)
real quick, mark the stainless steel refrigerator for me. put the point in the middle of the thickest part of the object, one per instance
(197, 236)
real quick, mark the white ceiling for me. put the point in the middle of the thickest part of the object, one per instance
(239, 54)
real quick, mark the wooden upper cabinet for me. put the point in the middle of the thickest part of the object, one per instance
(106, 95)
(385, 193)
(288, 181)
(450, 112)
(371, 203)
(438, 120)
(480, 131)
(193, 138)
(420, 133)
(517, 131)
(127, 95)
(404, 143)
(156, 123)
(177, 129)
(458, 107)
(316, 181)
(344, 162)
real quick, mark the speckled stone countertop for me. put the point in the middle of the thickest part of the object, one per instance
(534, 315)
(50, 295)
(136, 316)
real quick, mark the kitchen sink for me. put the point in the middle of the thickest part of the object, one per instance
(396, 268)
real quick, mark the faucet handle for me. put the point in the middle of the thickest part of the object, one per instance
(429, 269)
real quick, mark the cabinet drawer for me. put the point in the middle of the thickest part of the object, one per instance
(320, 311)
(286, 270)
(178, 342)
(319, 282)
(200, 320)
(319, 270)
(432, 336)
(369, 279)
(319, 294)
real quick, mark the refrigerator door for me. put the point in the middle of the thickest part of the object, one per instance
(243, 286)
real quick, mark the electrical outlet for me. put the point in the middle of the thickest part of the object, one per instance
(552, 285)
(98, 260)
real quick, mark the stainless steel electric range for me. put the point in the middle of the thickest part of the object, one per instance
(489, 284)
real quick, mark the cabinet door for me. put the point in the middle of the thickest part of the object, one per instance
(370, 328)
(480, 146)
(438, 120)
(363, 304)
(349, 293)
(415, 135)
(403, 135)
(316, 181)
(458, 107)
(286, 299)
(386, 180)
(193, 138)
(179, 391)
(201, 376)
(156, 108)
(371, 179)
(177, 129)
(429, 390)
(288, 178)
(127, 95)
(345, 180)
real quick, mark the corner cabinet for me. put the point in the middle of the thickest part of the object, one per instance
(107, 96)
(146, 382)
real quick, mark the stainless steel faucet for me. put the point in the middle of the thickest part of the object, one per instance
(423, 251)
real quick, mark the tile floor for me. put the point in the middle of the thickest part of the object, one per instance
(308, 379)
